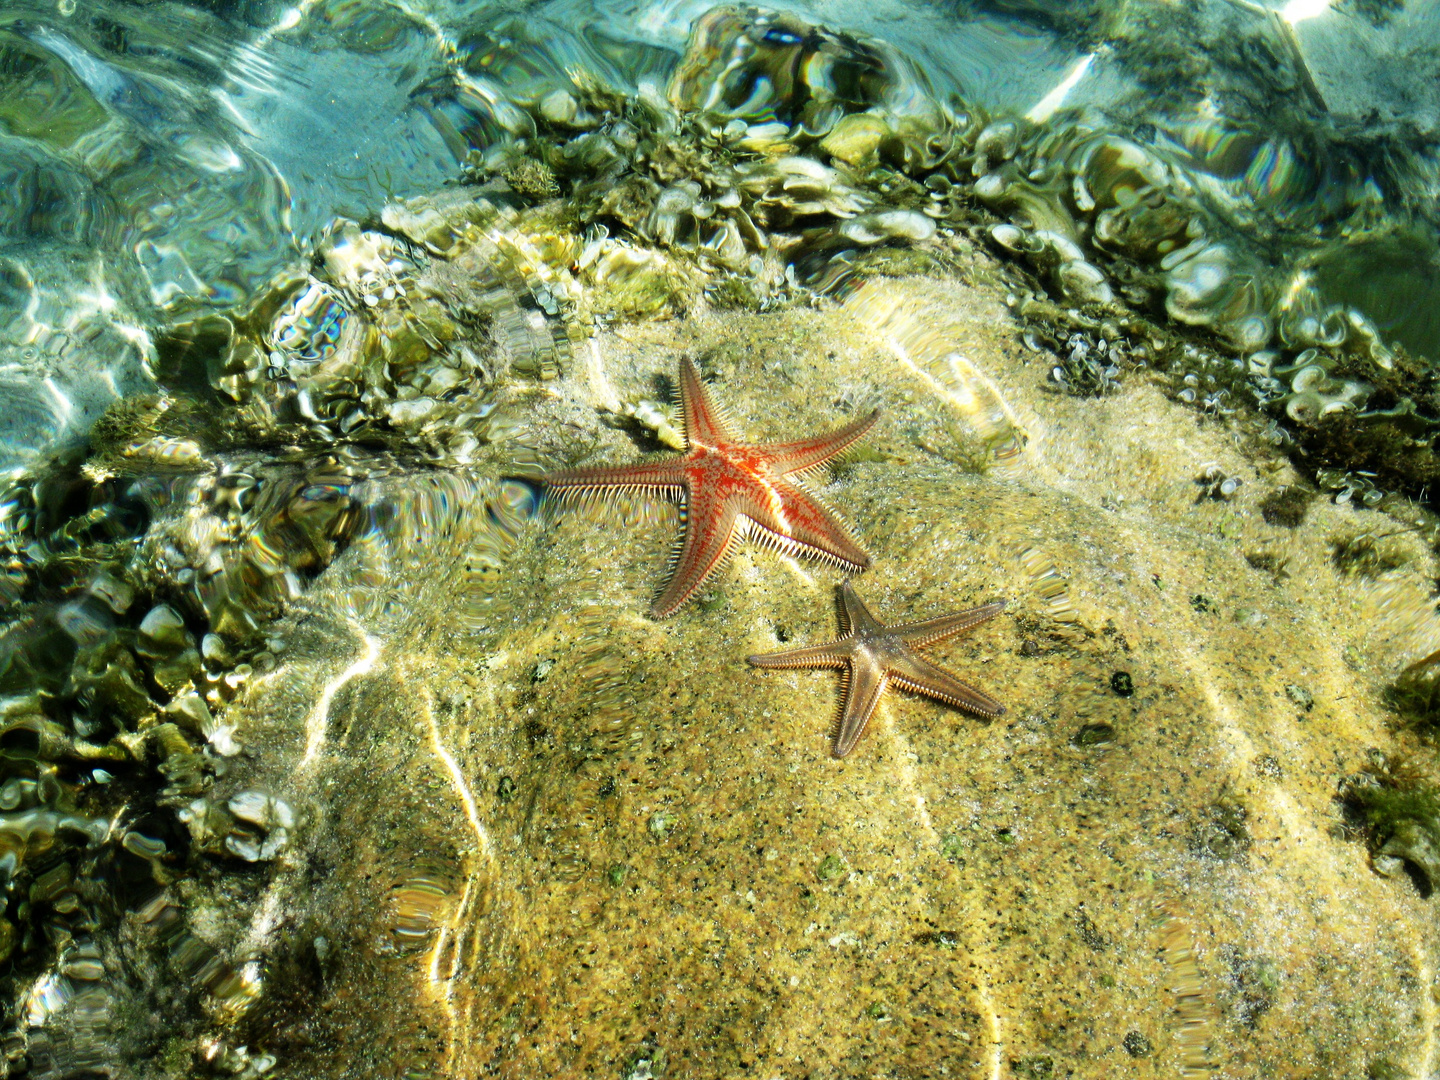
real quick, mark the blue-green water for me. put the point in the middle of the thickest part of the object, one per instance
(163, 160)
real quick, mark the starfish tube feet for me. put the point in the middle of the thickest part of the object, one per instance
(731, 492)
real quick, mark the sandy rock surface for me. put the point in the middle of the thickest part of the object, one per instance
(543, 835)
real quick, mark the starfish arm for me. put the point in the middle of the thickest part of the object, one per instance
(711, 533)
(704, 420)
(797, 524)
(854, 615)
(667, 476)
(864, 684)
(833, 654)
(807, 454)
(937, 629)
(918, 674)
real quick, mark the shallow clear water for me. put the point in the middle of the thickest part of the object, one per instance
(167, 159)
(337, 739)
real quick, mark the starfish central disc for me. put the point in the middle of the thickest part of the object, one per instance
(875, 655)
(731, 491)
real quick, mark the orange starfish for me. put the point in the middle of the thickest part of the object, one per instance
(875, 655)
(730, 492)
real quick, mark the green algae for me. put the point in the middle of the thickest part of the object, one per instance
(1396, 806)
(1287, 506)
(42, 98)
(952, 848)
(1414, 695)
(531, 179)
(1093, 735)
(1385, 1069)
(1224, 831)
(1037, 1067)
(1366, 555)
(1137, 1045)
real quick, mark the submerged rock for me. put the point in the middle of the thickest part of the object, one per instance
(651, 748)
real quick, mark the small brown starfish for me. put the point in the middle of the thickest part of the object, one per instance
(875, 655)
(730, 491)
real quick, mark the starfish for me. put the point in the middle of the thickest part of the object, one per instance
(875, 655)
(730, 491)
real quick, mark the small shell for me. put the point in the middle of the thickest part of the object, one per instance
(888, 224)
(999, 141)
(1010, 237)
(260, 809)
(1084, 283)
(559, 107)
